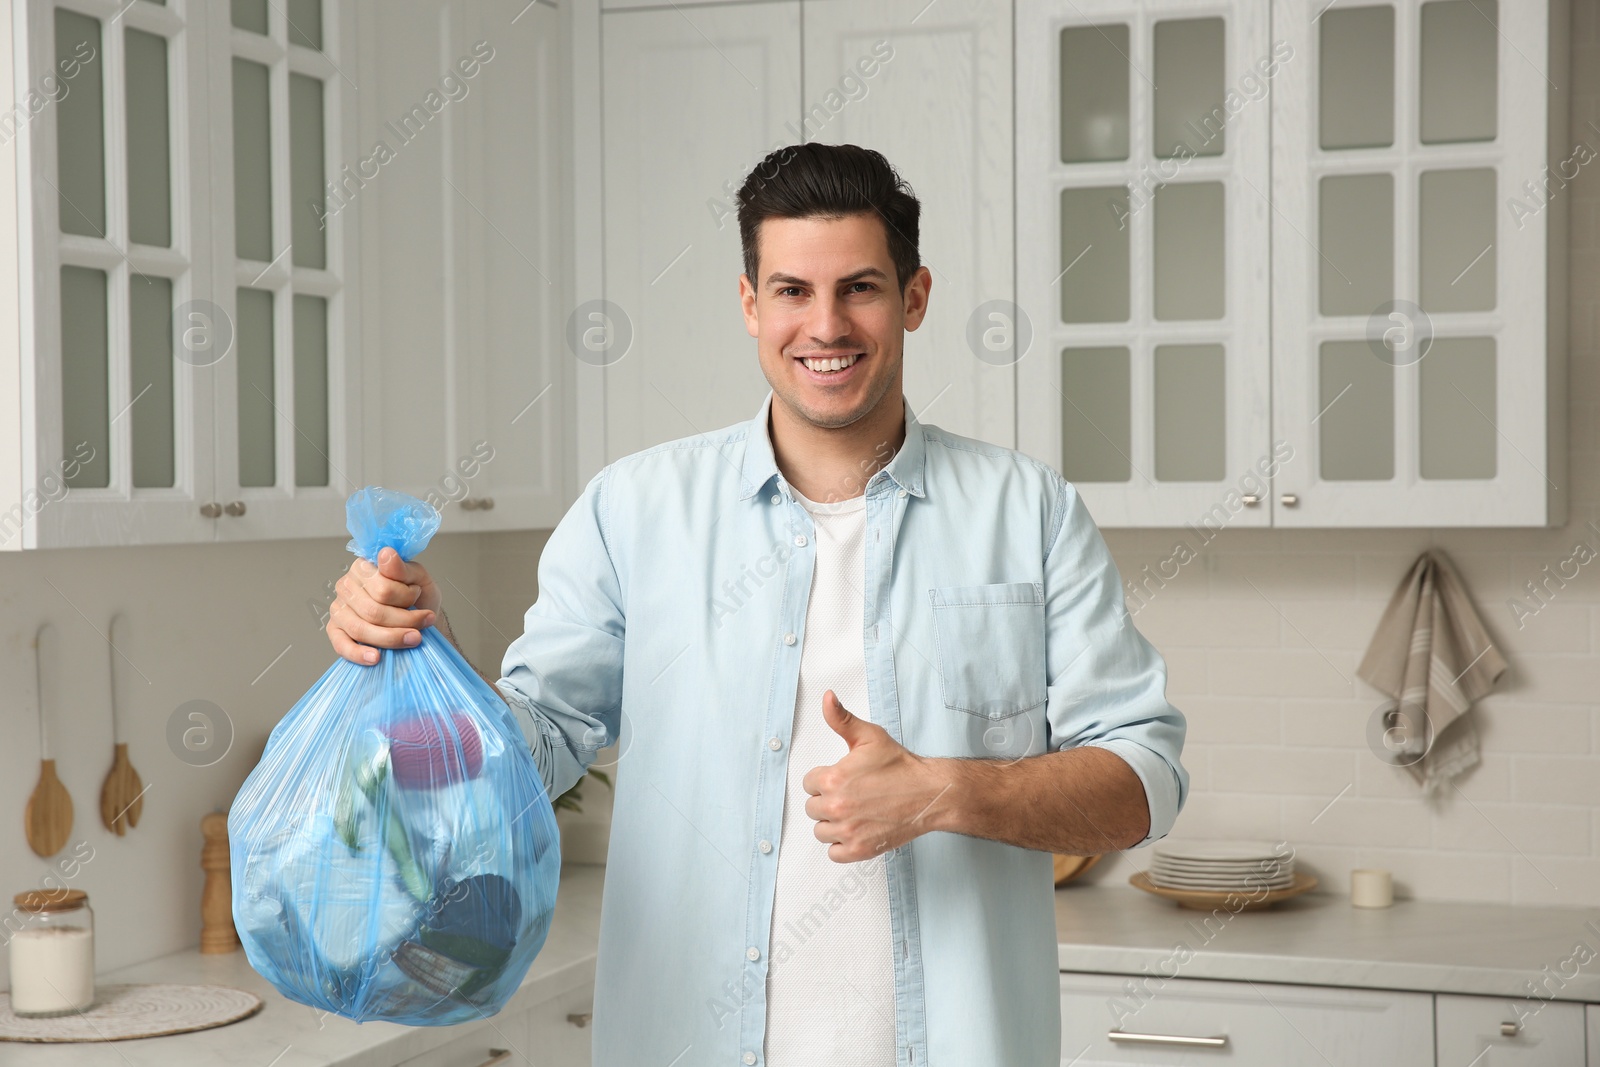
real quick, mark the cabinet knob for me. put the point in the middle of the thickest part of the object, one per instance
(580, 1019)
(478, 503)
(1250, 500)
(234, 508)
(486, 504)
(497, 1056)
(1510, 1029)
(211, 510)
(1289, 500)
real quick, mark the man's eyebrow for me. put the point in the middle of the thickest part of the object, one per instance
(864, 272)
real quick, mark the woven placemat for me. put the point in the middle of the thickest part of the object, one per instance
(120, 1012)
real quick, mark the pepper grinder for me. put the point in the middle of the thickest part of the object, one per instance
(217, 934)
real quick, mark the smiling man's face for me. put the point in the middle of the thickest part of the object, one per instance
(829, 317)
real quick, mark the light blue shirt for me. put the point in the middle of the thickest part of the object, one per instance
(670, 619)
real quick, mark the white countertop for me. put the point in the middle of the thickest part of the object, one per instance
(1319, 939)
(1316, 939)
(286, 1034)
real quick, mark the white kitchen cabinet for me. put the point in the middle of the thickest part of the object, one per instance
(1508, 1032)
(1591, 1015)
(1111, 1019)
(469, 401)
(1368, 329)
(1410, 147)
(182, 334)
(1142, 177)
(947, 72)
(559, 1031)
(709, 90)
(694, 98)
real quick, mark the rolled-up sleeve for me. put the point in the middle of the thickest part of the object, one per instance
(1106, 683)
(563, 676)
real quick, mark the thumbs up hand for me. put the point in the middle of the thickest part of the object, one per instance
(874, 798)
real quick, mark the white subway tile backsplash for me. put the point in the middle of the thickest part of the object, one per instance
(1233, 720)
(1212, 623)
(1283, 673)
(1327, 723)
(1515, 726)
(1283, 771)
(1555, 780)
(1561, 880)
(1497, 827)
(1358, 821)
(1229, 815)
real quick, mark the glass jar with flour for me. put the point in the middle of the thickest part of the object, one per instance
(52, 953)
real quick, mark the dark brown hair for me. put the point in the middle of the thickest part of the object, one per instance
(824, 181)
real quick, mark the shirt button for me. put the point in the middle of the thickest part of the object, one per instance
(800, 541)
(749, 1057)
(765, 847)
(752, 953)
(776, 498)
(901, 493)
(788, 639)
(774, 743)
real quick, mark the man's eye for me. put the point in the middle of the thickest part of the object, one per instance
(865, 286)
(786, 290)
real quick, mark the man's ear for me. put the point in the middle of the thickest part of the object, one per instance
(747, 303)
(915, 297)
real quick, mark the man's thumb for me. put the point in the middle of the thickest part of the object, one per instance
(390, 565)
(852, 728)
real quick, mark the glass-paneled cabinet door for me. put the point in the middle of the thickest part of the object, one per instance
(1142, 243)
(108, 133)
(1418, 263)
(287, 184)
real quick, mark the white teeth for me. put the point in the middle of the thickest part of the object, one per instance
(831, 364)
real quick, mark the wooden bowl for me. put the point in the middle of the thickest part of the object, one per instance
(1206, 900)
(1070, 867)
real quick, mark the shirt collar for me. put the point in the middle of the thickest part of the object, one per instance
(761, 467)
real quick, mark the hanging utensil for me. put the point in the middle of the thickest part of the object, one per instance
(122, 795)
(48, 816)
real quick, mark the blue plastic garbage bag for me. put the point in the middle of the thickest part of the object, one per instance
(394, 853)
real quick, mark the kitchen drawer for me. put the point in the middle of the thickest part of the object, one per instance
(559, 1030)
(1546, 1034)
(1259, 1024)
(500, 1041)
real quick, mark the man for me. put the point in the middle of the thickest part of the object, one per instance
(868, 675)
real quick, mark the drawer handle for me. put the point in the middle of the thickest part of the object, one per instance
(1510, 1029)
(496, 1055)
(1124, 1037)
(580, 1019)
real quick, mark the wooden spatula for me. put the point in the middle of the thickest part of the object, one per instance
(122, 795)
(48, 817)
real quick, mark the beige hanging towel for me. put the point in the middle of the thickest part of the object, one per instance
(1432, 655)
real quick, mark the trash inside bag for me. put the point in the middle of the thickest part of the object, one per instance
(394, 853)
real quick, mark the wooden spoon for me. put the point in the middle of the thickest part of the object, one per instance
(48, 817)
(122, 795)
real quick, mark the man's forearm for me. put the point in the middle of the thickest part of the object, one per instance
(442, 624)
(1081, 801)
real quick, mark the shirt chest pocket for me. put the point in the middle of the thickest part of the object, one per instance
(991, 647)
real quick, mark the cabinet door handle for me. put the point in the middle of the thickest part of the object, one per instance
(486, 503)
(496, 1055)
(211, 510)
(1123, 1037)
(1289, 500)
(580, 1019)
(234, 508)
(1510, 1029)
(1250, 500)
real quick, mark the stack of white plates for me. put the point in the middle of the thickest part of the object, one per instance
(1221, 866)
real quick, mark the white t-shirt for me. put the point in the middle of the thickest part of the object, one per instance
(830, 976)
